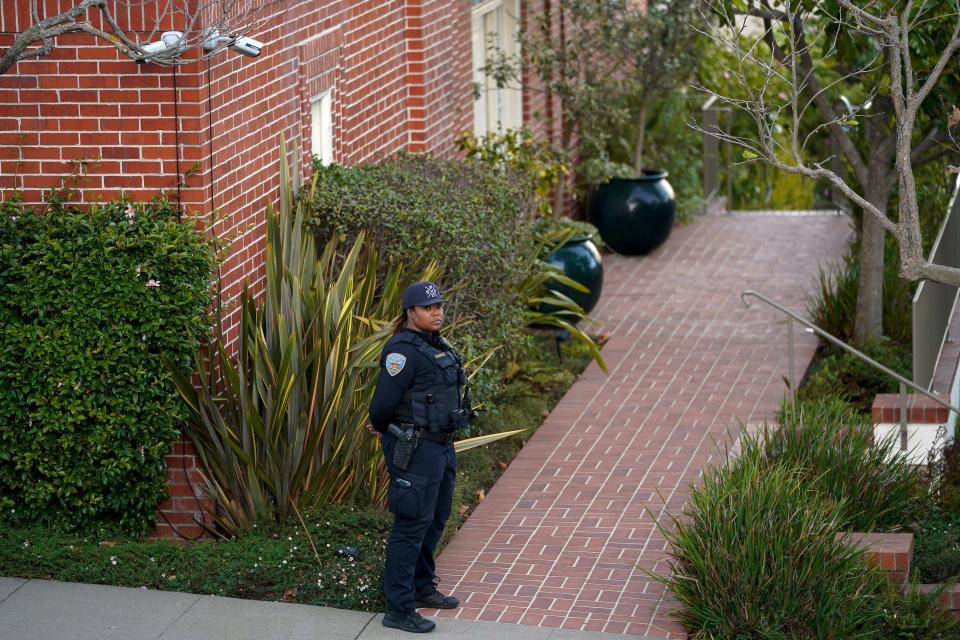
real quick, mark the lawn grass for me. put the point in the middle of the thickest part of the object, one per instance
(279, 562)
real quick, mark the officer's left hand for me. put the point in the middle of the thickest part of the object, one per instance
(374, 431)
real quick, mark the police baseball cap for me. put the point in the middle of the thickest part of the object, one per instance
(421, 294)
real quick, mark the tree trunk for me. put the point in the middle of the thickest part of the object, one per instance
(641, 130)
(868, 324)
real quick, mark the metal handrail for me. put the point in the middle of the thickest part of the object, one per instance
(904, 383)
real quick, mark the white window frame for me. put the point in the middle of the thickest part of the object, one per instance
(497, 108)
(321, 127)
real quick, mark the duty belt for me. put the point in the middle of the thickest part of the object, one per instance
(442, 438)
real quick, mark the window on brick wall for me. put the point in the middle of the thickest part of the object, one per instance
(321, 126)
(495, 28)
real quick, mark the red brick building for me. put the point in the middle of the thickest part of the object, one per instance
(348, 80)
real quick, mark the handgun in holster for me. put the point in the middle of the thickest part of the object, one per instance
(406, 443)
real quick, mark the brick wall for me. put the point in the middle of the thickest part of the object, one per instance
(399, 73)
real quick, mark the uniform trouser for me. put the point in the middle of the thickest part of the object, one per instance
(420, 499)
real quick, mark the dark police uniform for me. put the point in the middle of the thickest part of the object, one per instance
(420, 386)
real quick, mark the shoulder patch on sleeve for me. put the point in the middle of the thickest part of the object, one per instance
(394, 363)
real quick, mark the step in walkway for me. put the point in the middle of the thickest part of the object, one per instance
(566, 537)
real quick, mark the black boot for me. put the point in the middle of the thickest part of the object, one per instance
(408, 621)
(433, 599)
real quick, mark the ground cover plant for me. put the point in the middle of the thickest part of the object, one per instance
(936, 548)
(277, 562)
(89, 303)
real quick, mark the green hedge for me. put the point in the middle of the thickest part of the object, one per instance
(476, 220)
(88, 303)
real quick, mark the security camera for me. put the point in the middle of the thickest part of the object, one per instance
(246, 46)
(169, 40)
(240, 44)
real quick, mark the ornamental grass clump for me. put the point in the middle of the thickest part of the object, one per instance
(872, 483)
(756, 555)
(285, 430)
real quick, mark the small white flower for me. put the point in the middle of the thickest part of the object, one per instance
(153, 283)
(139, 269)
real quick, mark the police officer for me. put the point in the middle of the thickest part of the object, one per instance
(417, 407)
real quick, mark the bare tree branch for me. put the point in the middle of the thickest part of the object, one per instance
(793, 61)
(195, 21)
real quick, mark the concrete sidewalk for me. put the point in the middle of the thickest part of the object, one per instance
(44, 610)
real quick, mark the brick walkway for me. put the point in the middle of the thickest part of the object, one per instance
(565, 537)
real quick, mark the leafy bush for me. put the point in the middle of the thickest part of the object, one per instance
(844, 374)
(89, 302)
(936, 548)
(286, 431)
(756, 555)
(517, 150)
(910, 614)
(873, 485)
(474, 219)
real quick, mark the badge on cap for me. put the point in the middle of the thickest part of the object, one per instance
(432, 291)
(394, 363)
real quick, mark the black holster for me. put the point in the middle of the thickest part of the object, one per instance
(406, 444)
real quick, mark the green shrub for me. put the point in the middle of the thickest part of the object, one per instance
(519, 150)
(936, 548)
(474, 219)
(89, 302)
(873, 485)
(756, 555)
(909, 614)
(844, 374)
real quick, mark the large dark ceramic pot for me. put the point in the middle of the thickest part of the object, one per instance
(634, 215)
(580, 261)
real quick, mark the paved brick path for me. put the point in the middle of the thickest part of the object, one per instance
(565, 536)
